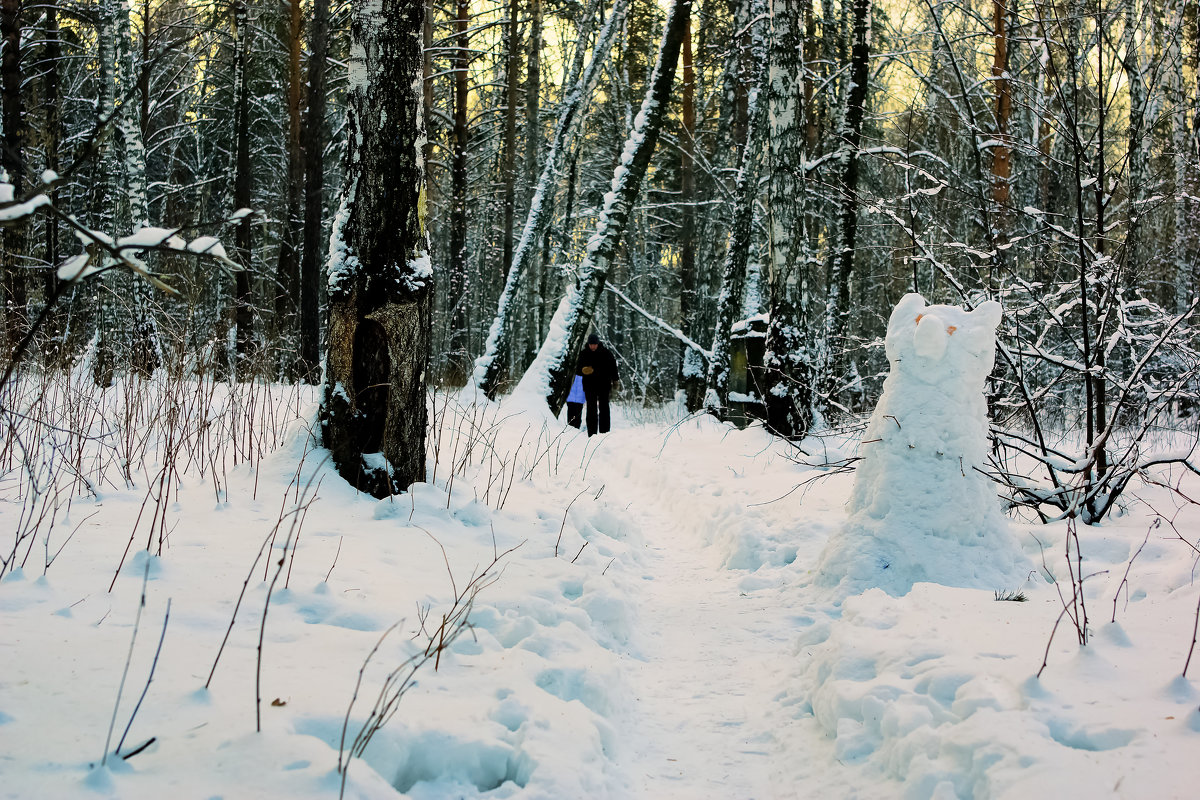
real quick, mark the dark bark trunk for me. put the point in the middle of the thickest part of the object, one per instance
(313, 146)
(52, 138)
(691, 376)
(12, 281)
(373, 412)
(512, 89)
(287, 276)
(242, 177)
(842, 258)
(455, 369)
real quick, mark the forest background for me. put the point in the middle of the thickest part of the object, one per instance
(816, 160)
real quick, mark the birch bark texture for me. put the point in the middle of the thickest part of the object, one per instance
(788, 377)
(380, 277)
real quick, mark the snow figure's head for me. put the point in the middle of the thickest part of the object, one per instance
(942, 344)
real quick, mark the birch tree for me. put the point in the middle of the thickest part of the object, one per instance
(788, 393)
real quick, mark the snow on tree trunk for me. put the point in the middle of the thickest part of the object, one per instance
(1185, 177)
(1137, 154)
(920, 510)
(489, 368)
(552, 369)
(125, 326)
(145, 355)
(373, 411)
(458, 267)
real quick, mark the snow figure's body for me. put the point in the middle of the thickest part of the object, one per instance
(920, 509)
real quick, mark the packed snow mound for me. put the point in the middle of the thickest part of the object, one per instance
(920, 509)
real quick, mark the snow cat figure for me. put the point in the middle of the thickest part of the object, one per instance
(920, 510)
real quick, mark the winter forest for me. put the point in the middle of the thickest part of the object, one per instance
(301, 285)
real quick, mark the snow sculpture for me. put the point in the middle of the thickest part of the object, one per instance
(920, 511)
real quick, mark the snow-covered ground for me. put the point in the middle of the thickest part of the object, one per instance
(659, 631)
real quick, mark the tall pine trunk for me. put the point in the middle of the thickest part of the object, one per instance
(287, 274)
(841, 266)
(691, 365)
(51, 138)
(511, 98)
(373, 411)
(313, 146)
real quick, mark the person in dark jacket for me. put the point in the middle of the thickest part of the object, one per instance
(599, 370)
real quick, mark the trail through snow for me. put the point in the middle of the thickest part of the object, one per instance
(702, 678)
(707, 656)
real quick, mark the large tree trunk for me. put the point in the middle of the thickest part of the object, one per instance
(552, 370)
(314, 196)
(490, 367)
(373, 411)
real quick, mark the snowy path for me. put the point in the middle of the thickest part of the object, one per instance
(702, 681)
(707, 659)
